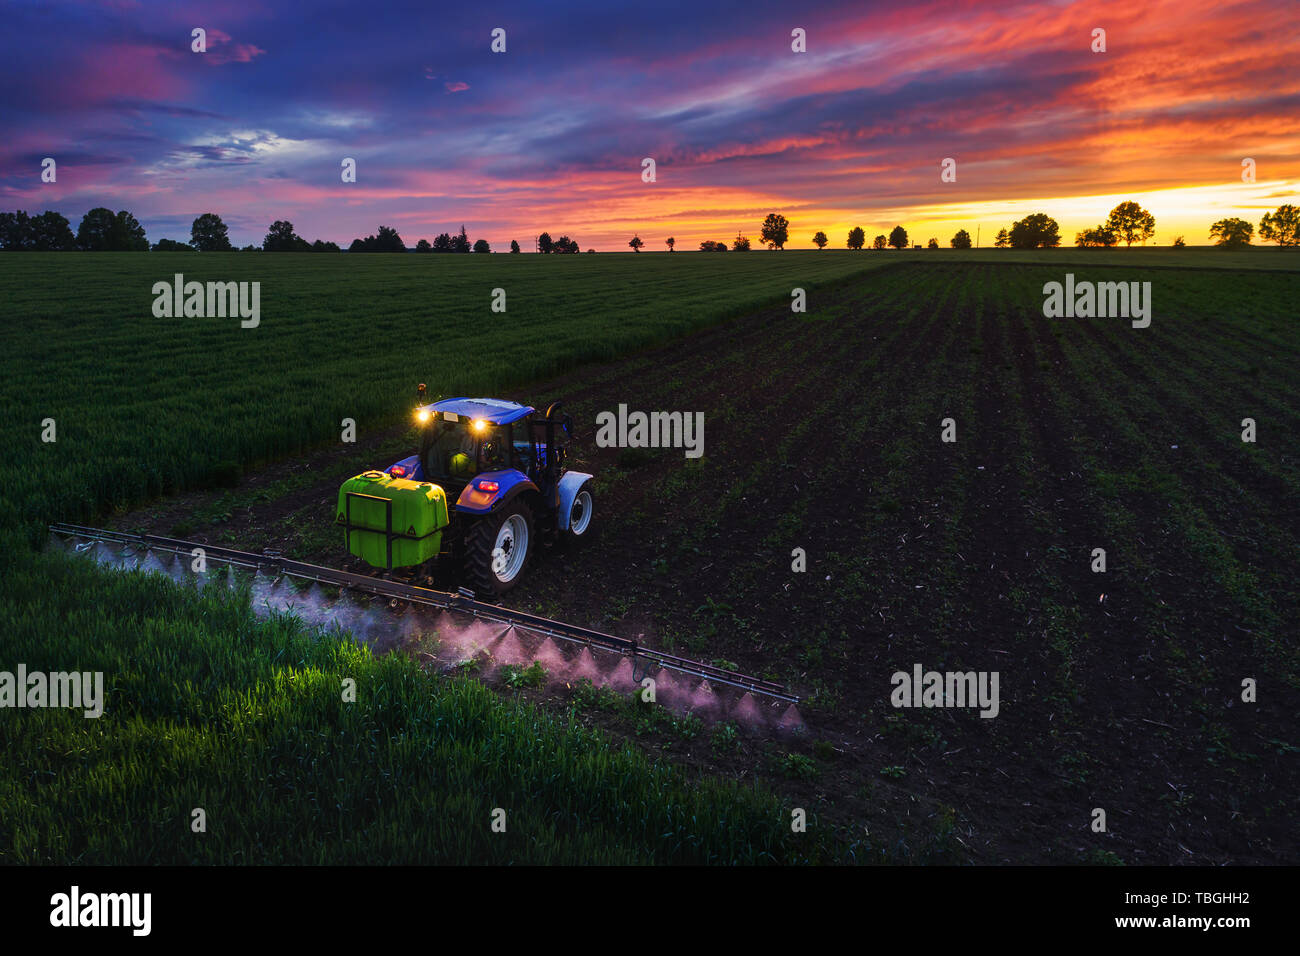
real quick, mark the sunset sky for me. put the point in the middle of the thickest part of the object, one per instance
(550, 135)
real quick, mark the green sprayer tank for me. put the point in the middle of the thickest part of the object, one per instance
(418, 517)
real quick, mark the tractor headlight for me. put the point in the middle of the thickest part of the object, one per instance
(479, 424)
(423, 415)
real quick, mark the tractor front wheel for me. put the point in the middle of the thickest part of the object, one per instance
(497, 549)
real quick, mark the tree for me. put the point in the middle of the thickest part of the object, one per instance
(740, 243)
(776, 231)
(280, 237)
(95, 234)
(856, 237)
(423, 246)
(128, 234)
(820, 240)
(1131, 222)
(670, 242)
(961, 240)
(50, 232)
(460, 241)
(1232, 233)
(322, 245)
(636, 243)
(170, 245)
(1003, 240)
(565, 246)
(481, 245)
(933, 243)
(1101, 236)
(898, 238)
(442, 242)
(1282, 227)
(708, 245)
(879, 242)
(15, 231)
(514, 245)
(1035, 231)
(1178, 242)
(386, 241)
(544, 243)
(209, 234)
(389, 241)
(102, 231)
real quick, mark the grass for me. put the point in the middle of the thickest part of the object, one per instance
(209, 708)
(147, 406)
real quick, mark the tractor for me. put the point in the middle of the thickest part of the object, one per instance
(488, 478)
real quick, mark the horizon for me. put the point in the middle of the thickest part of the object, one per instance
(550, 135)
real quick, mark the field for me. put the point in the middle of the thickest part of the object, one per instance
(243, 719)
(147, 406)
(1119, 690)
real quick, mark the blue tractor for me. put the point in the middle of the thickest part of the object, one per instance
(488, 478)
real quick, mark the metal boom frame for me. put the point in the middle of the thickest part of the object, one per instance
(428, 597)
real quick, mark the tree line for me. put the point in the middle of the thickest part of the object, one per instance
(1128, 223)
(775, 233)
(102, 230)
(1281, 226)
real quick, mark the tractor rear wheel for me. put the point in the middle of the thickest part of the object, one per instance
(497, 549)
(580, 513)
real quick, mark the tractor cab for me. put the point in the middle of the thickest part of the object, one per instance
(454, 449)
(462, 438)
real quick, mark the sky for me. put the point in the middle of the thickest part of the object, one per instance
(552, 133)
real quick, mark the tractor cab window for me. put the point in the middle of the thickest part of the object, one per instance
(452, 451)
(542, 430)
(521, 445)
(494, 451)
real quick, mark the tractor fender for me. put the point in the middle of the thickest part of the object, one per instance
(570, 484)
(510, 484)
(410, 469)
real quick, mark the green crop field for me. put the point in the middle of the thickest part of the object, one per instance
(823, 433)
(210, 709)
(145, 406)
